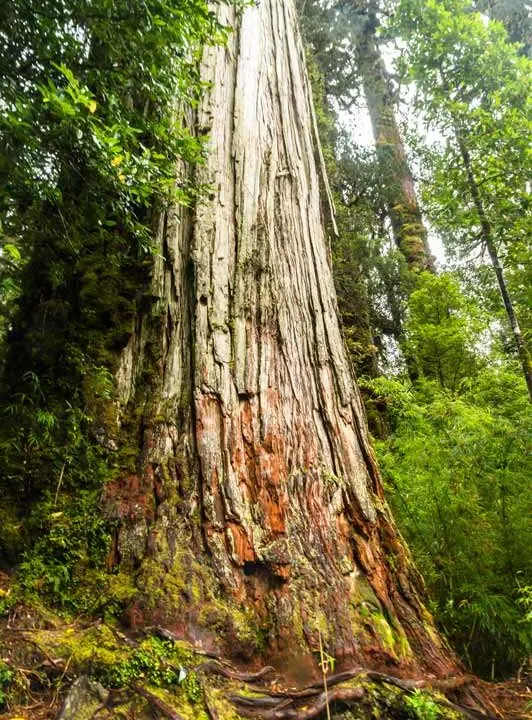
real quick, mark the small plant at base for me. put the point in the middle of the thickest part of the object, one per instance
(192, 687)
(6, 676)
(158, 663)
(7, 600)
(326, 665)
(422, 707)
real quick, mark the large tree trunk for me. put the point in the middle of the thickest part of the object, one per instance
(255, 519)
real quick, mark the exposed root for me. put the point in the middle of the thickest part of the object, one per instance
(258, 702)
(211, 711)
(311, 701)
(285, 710)
(406, 685)
(215, 667)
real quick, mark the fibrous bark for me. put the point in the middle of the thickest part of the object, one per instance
(255, 519)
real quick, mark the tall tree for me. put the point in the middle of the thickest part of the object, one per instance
(246, 502)
(408, 229)
(253, 452)
(343, 36)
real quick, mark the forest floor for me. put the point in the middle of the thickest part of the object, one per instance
(512, 699)
(152, 675)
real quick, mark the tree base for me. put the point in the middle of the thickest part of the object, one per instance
(95, 672)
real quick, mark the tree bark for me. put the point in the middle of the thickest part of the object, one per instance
(409, 232)
(255, 520)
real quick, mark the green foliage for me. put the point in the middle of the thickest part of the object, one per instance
(92, 131)
(421, 706)
(457, 469)
(457, 474)
(156, 662)
(474, 87)
(65, 564)
(442, 329)
(6, 677)
(102, 82)
(7, 602)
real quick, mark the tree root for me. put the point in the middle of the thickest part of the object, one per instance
(215, 667)
(285, 710)
(211, 711)
(166, 634)
(311, 701)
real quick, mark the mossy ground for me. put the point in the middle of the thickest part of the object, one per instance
(43, 653)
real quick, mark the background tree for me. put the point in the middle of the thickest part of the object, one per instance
(375, 194)
(475, 88)
(401, 199)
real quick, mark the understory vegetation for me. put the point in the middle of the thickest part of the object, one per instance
(457, 466)
(90, 141)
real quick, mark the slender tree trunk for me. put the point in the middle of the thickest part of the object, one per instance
(255, 519)
(409, 232)
(515, 16)
(489, 241)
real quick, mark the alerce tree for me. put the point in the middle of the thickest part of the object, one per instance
(245, 501)
(255, 501)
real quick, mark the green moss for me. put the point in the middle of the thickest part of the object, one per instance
(237, 626)
(189, 709)
(369, 617)
(94, 651)
(216, 697)
(161, 588)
